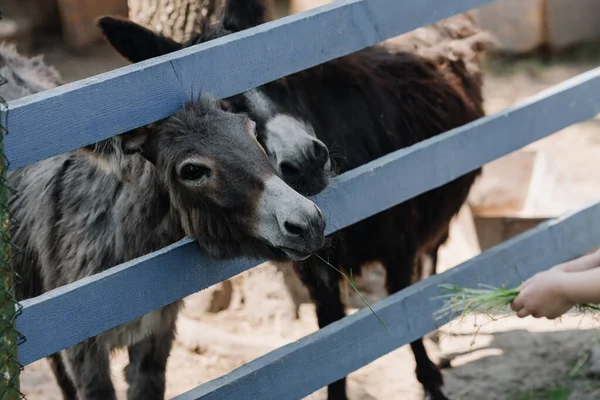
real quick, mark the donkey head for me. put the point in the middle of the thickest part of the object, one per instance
(299, 157)
(290, 143)
(222, 187)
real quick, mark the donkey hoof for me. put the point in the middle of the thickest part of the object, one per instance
(436, 395)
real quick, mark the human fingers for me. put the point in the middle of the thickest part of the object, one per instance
(523, 312)
(517, 303)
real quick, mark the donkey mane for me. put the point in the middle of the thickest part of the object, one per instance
(456, 45)
(453, 39)
(111, 153)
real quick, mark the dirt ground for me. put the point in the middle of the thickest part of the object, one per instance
(508, 359)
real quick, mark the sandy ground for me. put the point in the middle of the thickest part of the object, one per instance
(507, 359)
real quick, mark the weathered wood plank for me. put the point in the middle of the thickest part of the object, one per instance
(348, 344)
(100, 302)
(84, 112)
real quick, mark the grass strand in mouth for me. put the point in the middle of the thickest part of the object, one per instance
(351, 282)
(487, 300)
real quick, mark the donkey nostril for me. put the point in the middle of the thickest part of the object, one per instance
(293, 228)
(288, 170)
(321, 152)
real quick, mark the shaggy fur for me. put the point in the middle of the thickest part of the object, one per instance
(456, 39)
(24, 76)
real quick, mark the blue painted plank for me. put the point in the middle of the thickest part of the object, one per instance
(133, 289)
(298, 369)
(84, 112)
(83, 309)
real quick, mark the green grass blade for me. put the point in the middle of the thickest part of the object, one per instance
(351, 282)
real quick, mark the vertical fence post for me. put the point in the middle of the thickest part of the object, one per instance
(9, 362)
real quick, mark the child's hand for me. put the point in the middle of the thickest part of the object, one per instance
(542, 296)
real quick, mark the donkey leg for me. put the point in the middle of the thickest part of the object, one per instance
(400, 271)
(444, 362)
(146, 371)
(62, 377)
(428, 263)
(147, 366)
(428, 374)
(87, 363)
(429, 260)
(325, 292)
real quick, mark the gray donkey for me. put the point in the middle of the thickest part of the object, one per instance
(200, 173)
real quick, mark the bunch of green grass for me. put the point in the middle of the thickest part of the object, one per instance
(488, 300)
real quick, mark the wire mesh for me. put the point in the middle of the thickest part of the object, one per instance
(10, 338)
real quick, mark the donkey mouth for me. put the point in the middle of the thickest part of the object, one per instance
(295, 255)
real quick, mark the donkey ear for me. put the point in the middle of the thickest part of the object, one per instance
(135, 42)
(244, 14)
(138, 141)
(134, 141)
(225, 105)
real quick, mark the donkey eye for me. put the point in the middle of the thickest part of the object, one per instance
(194, 172)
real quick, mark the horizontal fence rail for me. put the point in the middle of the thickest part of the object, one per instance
(93, 109)
(346, 345)
(100, 302)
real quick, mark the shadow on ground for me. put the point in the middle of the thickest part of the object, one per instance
(522, 365)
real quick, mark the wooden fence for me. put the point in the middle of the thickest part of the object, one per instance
(80, 113)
